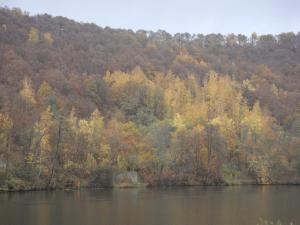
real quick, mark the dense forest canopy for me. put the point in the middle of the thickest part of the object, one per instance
(79, 102)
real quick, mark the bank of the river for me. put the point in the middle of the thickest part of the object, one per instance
(130, 179)
(143, 185)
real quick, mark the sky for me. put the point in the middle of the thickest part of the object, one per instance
(193, 16)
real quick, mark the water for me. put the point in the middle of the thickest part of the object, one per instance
(239, 205)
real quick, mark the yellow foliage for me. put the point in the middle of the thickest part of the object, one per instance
(186, 58)
(44, 90)
(220, 94)
(223, 121)
(162, 80)
(247, 84)
(200, 128)
(105, 156)
(177, 121)
(146, 159)
(30, 158)
(203, 65)
(122, 163)
(43, 128)
(33, 36)
(73, 120)
(211, 85)
(275, 90)
(84, 127)
(27, 92)
(216, 121)
(228, 130)
(48, 38)
(177, 96)
(5, 123)
(118, 80)
(71, 165)
(195, 113)
(254, 119)
(96, 121)
(96, 126)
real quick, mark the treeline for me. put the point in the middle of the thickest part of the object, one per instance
(170, 130)
(187, 109)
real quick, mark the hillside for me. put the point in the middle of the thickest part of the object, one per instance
(80, 103)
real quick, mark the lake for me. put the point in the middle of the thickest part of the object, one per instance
(233, 205)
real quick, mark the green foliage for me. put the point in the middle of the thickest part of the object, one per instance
(16, 184)
(96, 89)
(230, 174)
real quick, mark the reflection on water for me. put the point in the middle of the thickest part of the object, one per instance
(238, 205)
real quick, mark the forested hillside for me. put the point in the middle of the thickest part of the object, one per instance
(80, 103)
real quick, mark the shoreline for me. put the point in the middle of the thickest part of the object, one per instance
(292, 183)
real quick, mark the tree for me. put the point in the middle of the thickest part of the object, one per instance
(6, 125)
(242, 40)
(27, 93)
(96, 90)
(177, 109)
(158, 139)
(254, 38)
(44, 93)
(98, 150)
(124, 141)
(48, 38)
(33, 36)
(42, 142)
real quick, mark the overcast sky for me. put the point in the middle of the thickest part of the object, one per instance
(193, 16)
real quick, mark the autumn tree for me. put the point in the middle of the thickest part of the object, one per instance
(33, 36)
(48, 38)
(6, 125)
(27, 92)
(43, 146)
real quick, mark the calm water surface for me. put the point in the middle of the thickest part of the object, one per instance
(242, 205)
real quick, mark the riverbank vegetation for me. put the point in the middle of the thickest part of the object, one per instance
(80, 104)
